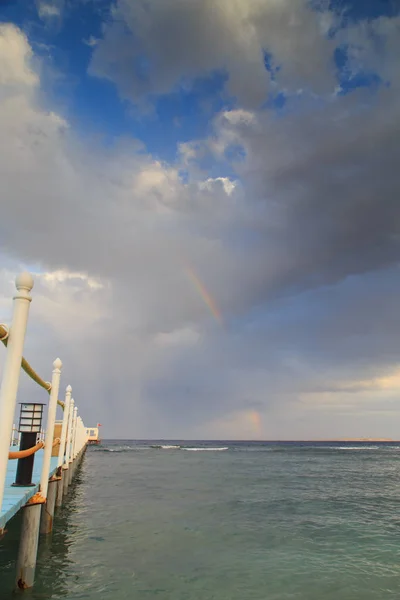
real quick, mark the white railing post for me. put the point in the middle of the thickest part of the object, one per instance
(63, 446)
(64, 427)
(71, 456)
(80, 434)
(51, 418)
(66, 465)
(12, 367)
(69, 434)
(77, 435)
(74, 434)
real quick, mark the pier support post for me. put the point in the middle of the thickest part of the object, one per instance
(65, 481)
(71, 471)
(59, 496)
(46, 521)
(28, 545)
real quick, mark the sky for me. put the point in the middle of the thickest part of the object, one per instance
(208, 196)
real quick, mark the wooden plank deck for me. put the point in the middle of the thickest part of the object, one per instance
(16, 497)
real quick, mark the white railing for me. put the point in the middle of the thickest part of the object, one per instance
(73, 434)
(15, 437)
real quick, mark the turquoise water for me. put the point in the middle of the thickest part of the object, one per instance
(253, 522)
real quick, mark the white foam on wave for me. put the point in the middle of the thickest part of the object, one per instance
(355, 447)
(205, 449)
(170, 447)
(121, 449)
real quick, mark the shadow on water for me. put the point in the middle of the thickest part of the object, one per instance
(51, 580)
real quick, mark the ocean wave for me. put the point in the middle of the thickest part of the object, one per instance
(354, 447)
(159, 447)
(321, 449)
(166, 447)
(279, 449)
(205, 449)
(120, 449)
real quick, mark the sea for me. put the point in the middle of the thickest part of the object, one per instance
(223, 520)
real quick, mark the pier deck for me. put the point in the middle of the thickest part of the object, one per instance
(16, 497)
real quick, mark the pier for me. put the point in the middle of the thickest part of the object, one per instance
(38, 461)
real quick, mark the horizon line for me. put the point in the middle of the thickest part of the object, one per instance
(346, 439)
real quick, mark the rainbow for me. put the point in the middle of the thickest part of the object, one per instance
(255, 419)
(204, 293)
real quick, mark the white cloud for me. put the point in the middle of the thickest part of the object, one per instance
(210, 183)
(50, 11)
(55, 277)
(16, 57)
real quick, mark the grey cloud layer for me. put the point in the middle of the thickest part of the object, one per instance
(149, 47)
(316, 201)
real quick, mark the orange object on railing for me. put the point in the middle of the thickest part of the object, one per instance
(3, 333)
(25, 453)
(30, 451)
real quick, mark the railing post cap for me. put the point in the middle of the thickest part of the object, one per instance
(57, 364)
(69, 389)
(24, 281)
